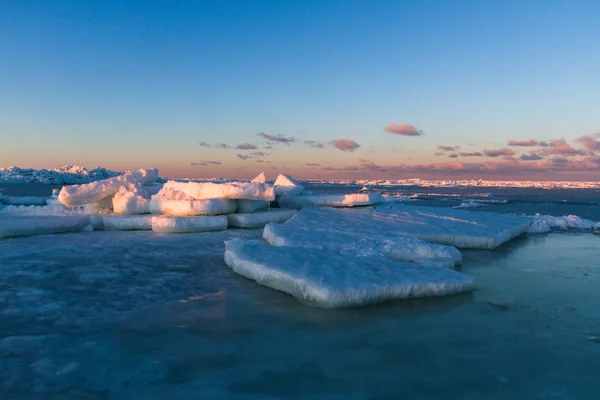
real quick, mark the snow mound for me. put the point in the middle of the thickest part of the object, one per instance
(31, 226)
(260, 178)
(131, 199)
(231, 190)
(331, 200)
(259, 219)
(127, 223)
(164, 224)
(67, 175)
(24, 201)
(181, 205)
(545, 223)
(458, 228)
(250, 206)
(285, 184)
(367, 246)
(331, 280)
(77, 195)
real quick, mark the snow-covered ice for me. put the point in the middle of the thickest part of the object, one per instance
(332, 280)
(545, 223)
(131, 199)
(67, 175)
(127, 222)
(259, 219)
(260, 178)
(285, 184)
(249, 206)
(24, 201)
(368, 246)
(330, 200)
(29, 226)
(159, 205)
(231, 190)
(166, 224)
(88, 193)
(458, 228)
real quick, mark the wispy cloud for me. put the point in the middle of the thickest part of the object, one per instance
(452, 155)
(259, 154)
(246, 146)
(448, 148)
(403, 129)
(243, 157)
(471, 154)
(259, 161)
(560, 146)
(205, 163)
(312, 165)
(204, 144)
(531, 157)
(314, 144)
(277, 138)
(527, 143)
(498, 152)
(223, 146)
(345, 144)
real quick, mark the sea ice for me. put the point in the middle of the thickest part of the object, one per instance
(393, 248)
(452, 227)
(545, 223)
(331, 280)
(131, 199)
(250, 206)
(259, 219)
(127, 222)
(260, 178)
(231, 190)
(31, 226)
(77, 195)
(165, 224)
(330, 200)
(23, 201)
(159, 205)
(285, 184)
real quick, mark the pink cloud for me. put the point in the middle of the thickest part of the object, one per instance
(312, 165)
(589, 142)
(472, 154)
(561, 146)
(527, 143)
(531, 157)
(452, 155)
(277, 138)
(345, 144)
(448, 148)
(498, 152)
(246, 146)
(205, 163)
(403, 129)
(243, 157)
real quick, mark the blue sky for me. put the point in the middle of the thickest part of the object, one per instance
(125, 84)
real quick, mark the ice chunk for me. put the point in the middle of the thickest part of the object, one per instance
(330, 200)
(131, 199)
(250, 206)
(77, 195)
(31, 226)
(24, 201)
(285, 184)
(545, 223)
(128, 222)
(260, 178)
(159, 205)
(331, 280)
(259, 219)
(393, 248)
(452, 227)
(230, 190)
(166, 224)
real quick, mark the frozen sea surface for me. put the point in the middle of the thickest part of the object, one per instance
(122, 315)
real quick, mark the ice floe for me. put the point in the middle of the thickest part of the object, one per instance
(127, 222)
(367, 246)
(24, 201)
(77, 195)
(131, 199)
(231, 190)
(160, 205)
(545, 223)
(250, 206)
(167, 224)
(332, 280)
(29, 226)
(330, 200)
(259, 219)
(285, 184)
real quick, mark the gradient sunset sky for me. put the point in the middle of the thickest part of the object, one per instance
(315, 88)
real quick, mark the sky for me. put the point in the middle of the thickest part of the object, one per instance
(364, 89)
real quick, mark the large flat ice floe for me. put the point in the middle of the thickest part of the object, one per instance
(259, 219)
(367, 246)
(88, 193)
(165, 224)
(330, 200)
(127, 222)
(160, 205)
(458, 228)
(24, 201)
(40, 225)
(231, 190)
(333, 280)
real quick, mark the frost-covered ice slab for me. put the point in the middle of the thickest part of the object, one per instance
(159, 205)
(128, 223)
(331, 280)
(31, 226)
(393, 248)
(545, 223)
(231, 190)
(452, 227)
(165, 224)
(131, 199)
(259, 219)
(285, 184)
(331, 200)
(250, 206)
(77, 195)
(24, 201)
